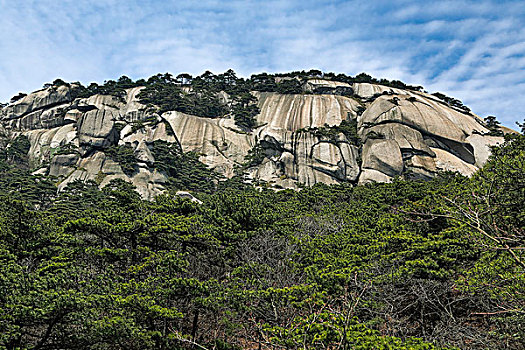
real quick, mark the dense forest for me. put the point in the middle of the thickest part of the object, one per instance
(404, 265)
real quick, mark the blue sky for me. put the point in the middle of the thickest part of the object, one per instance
(471, 50)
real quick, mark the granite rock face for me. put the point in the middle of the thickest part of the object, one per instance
(36, 109)
(300, 138)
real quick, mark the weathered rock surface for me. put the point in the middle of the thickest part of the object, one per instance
(366, 90)
(402, 133)
(96, 128)
(407, 138)
(481, 145)
(36, 102)
(430, 136)
(424, 115)
(321, 86)
(372, 175)
(63, 164)
(294, 112)
(384, 156)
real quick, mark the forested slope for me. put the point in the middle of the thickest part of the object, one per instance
(404, 265)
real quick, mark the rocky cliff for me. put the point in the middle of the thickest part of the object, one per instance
(334, 132)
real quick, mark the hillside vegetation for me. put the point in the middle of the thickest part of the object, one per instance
(401, 265)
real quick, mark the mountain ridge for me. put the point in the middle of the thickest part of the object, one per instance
(280, 131)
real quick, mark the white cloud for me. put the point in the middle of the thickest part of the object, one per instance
(472, 50)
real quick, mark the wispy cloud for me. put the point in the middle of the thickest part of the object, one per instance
(472, 50)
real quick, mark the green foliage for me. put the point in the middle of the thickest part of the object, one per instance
(328, 330)
(401, 265)
(521, 126)
(347, 127)
(202, 99)
(289, 86)
(15, 98)
(68, 148)
(360, 78)
(125, 156)
(184, 170)
(493, 125)
(263, 82)
(493, 211)
(315, 268)
(16, 151)
(453, 102)
(141, 124)
(14, 156)
(292, 84)
(255, 156)
(244, 110)
(110, 87)
(164, 91)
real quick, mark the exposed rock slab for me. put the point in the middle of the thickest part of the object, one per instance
(366, 90)
(37, 100)
(96, 128)
(63, 164)
(407, 138)
(383, 155)
(403, 133)
(446, 161)
(481, 145)
(426, 116)
(372, 175)
(45, 141)
(221, 148)
(294, 112)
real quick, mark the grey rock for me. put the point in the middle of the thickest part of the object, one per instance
(428, 117)
(403, 133)
(143, 154)
(406, 137)
(96, 128)
(63, 164)
(37, 100)
(372, 175)
(446, 161)
(384, 156)
(366, 90)
(481, 145)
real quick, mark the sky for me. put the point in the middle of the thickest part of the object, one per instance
(470, 50)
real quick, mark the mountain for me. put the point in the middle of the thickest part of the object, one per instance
(321, 130)
(230, 261)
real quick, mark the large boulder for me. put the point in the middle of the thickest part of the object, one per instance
(446, 161)
(96, 128)
(407, 138)
(383, 155)
(45, 141)
(424, 115)
(63, 164)
(37, 100)
(372, 175)
(481, 145)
